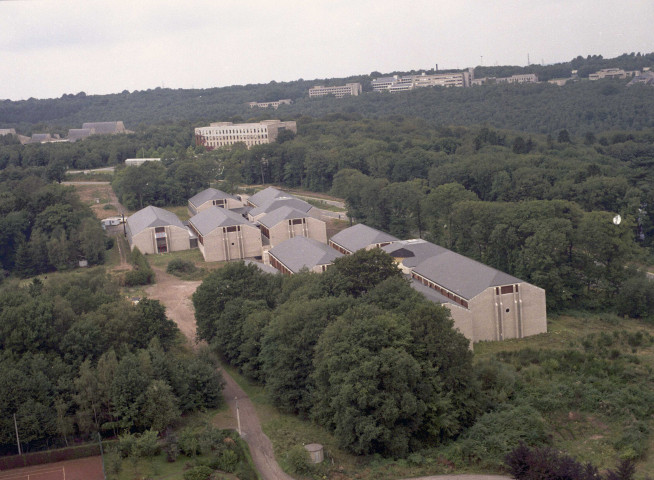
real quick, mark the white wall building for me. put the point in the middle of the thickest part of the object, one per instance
(220, 134)
(339, 91)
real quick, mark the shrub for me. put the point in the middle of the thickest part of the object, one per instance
(201, 472)
(299, 461)
(228, 461)
(177, 266)
(189, 444)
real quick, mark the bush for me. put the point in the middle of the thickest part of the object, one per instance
(138, 277)
(299, 461)
(177, 266)
(228, 461)
(201, 472)
(189, 444)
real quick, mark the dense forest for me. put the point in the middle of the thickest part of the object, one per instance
(542, 108)
(77, 358)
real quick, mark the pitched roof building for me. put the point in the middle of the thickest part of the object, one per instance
(360, 236)
(288, 222)
(155, 230)
(485, 303)
(212, 197)
(104, 128)
(293, 255)
(225, 235)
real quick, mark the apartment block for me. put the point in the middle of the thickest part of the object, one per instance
(275, 104)
(398, 83)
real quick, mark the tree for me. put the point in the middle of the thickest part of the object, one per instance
(363, 270)
(160, 406)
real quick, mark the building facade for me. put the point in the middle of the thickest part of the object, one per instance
(224, 235)
(288, 222)
(398, 83)
(220, 134)
(155, 230)
(340, 91)
(275, 104)
(300, 253)
(212, 197)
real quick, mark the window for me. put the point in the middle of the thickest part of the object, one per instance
(159, 229)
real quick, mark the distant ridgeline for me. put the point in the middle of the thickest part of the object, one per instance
(563, 98)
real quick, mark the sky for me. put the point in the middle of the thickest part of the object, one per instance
(53, 47)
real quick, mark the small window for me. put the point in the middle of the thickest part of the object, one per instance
(159, 229)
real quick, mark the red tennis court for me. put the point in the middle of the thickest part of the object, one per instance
(82, 469)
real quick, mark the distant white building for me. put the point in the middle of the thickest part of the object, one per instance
(220, 134)
(520, 78)
(275, 104)
(398, 83)
(612, 73)
(135, 162)
(353, 89)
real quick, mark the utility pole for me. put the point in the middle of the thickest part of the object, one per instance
(17, 437)
(238, 417)
(104, 475)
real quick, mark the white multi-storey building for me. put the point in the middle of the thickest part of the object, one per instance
(409, 82)
(220, 134)
(338, 91)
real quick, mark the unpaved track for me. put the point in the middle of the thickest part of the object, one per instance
(176, 294)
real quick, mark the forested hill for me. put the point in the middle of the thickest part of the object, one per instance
(542, 108)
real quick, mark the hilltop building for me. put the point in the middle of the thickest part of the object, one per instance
(409, 82)
(96, 128)
(645, 78)
(275, 104)
(135, 162)
(521, 78)
(353, 89)
(220, 134)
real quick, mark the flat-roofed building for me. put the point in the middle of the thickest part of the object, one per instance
(485, 303)
(221, 134)
(225, 235)
(135, 162)
(297, 253)
(288, 222)
(359, 237)
(275, 104)
(155, 230)
(212, 197)
(7, 131)
(339, 91)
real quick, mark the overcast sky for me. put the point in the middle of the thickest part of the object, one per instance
(52, 47)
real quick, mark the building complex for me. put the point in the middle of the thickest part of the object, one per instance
(275, 104)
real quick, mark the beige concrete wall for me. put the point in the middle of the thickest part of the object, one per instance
(230, 202)
(511, 315)
(220, 246)
(462, 320)
(313, 228)
(177, 239)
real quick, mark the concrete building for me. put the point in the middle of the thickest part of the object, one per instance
(398, 83)
(645, 78)
(520, 78)
(287, 201)
(297, 253)
(155, 230)
(220, 134)
(75, 134)
(105, 128)
(359, 237)
(340, 91)
(212, 197)
(135, 162)
(224, 235)
(265, 196)
(7, 131)
(485, 303)
(275, 104)
(288, 222)
(613, 73)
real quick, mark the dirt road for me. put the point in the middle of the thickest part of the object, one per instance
(176, 294)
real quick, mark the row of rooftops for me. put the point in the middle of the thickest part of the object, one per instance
(424, 261)
(74, 134)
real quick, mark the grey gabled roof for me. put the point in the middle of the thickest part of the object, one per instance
(101, 128)
(430, 293)
(413, 252)
(280, 214)
(360, 236)
(208, 220)
(75, 134)
(152, 217)
(462, 275)
(279, 202)
(264, 268)
(265, 196)
(300, 252)
(208, 195)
